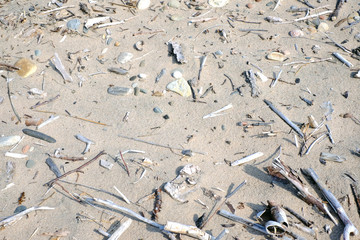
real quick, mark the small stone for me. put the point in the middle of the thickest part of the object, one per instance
(30, 163)
(175, 18)
(26, 67)
(323, 17)
(218, 3)
(25, 149)
(136, 91)
(357, 75)
(37, 52)
(142, 75)
(316, 49)
(9, 141)
(143, 4)
(297, 80)
(249, 5)
(142, 63)
(144, 91)
(312, 29)
(73, 24)
(119, 91)
(174, 4)
(124, 57)
(276, 56)
(180, 86)
(269, 4)
(133, 78)
(157, 110)
(1, 99)
(323, 27)
(106, 164)
(116, 44)
(296, 33)
(166, 117)
(19, 209)
(177, 74)
(120, 71)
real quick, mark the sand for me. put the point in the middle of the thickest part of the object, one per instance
(221, 138)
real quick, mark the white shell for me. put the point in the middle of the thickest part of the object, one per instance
(276, 56)
(262, 77)
(218, 3)
(8, 141)
(124, 57)
(177, 74)
(143, 4)
(357, 75)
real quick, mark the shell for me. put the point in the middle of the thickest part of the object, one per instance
(218, 3)
(33, 121)
(296, 33)
(357, 75)
(312, 121)
(139, 45)
(124, 57)
(143, 4)
(274, 228)
(26, 67)
(8, 141)
(276, 56)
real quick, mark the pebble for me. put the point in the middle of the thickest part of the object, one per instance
(144, 91)
(37, 52)
(73, 24)
(180, 86)
(143, 4)
(177, 74)
(25, 149)
(323, 27)
(133, 78)
(1, 99)
(142, 75)
(174, 4)
(296, 33)
(38, 135)
(249, 5)
(120, 71)
(19, 209)
(116, 44)
(175, 18)
(276, 56)
(30, 163)
(157, 110)
(124, 57)
(26, 67)
(166, 117)
(136, 91)
(119, 91)
(8, 141)
(142, 63)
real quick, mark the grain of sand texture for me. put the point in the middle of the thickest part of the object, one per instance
(221, 35)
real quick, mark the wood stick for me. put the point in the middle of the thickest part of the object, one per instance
(50, 183)
(284, 118)
(123, 227)
(45, 102)
(156, 144)
(11, 219)
(9, 94)
(303, 220)
(127, 169)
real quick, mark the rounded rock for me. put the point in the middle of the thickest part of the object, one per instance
(249, 5)
(296, 33)
(157, 110)
(177, 74)
(19, 209)
(143, 4)
(73, 24)
(30, 163)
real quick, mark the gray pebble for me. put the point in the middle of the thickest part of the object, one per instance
(30, 163)
(142, 63)
(269, 4)
(144, 91)
(1, 99)
(19, 209)
(119, 91)
(120, 71)
(37, 52)
(73, 24)
(136, 91)
(133, 78)
(157, 110)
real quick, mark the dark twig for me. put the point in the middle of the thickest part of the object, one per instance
(50, 183)
(231, 82)
(9, 94)
(127, 169)
(335, 14)
(303, 220)
(45, 102)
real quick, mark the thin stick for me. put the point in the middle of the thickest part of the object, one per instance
(337, 44)
(9, 94)
(45, 102)
(303, 220)
(122, 195)
(214, 210)
(313, 143)
(50, 183)
(306, 62)
(284, 118)
(57, 9)
(156, 144)
(122, 158)
(11, 219)
(308, 17)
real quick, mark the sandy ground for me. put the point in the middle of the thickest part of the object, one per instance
(220, 137)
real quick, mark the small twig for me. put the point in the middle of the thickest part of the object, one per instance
(50, 183)
(338, 45)
(303, 220)
(8, 67)
(307, 17)
(45, 102)
(335, 14)
(231, 82)
(122, 195)
(57, 9)
(122, 158)
(9, 94)
(343, 60)
(307, 62)
(313, 143)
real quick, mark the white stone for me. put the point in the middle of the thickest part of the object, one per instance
(143, 4)
(180, 86)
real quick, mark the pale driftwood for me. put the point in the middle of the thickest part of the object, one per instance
(284, 118)
(51, 119)
(60, 67)
(342, 59)
(303, 191)
(85, 140)
(244, 221)
(15, 155)
(16, 217)
(218, 112)
(90, 22)
(122, 195)
(307, 62)
(309, 16)
(123, 227)
(247, 159)
(222, 234)
(191, 231)
(350, 228)
(57, 9)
